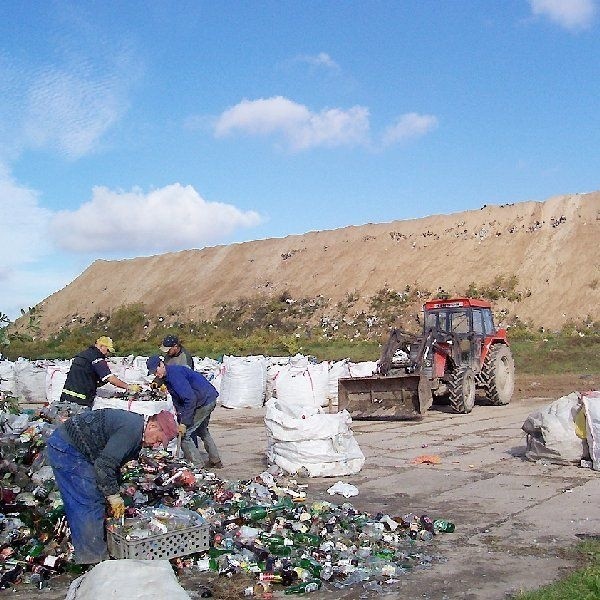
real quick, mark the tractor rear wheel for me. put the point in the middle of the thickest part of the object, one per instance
(498, 374)
(461, 390)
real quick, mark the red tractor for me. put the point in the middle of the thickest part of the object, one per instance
(459, 351)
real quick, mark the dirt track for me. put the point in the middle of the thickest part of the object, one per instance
(514, 518)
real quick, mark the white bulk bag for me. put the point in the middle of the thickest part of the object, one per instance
(56, 375)
(362, 369)
(30, 378)
(307, 385)
(7, 377)
(211, 369)
(338, 369)
(243, 382)
(303, 437)
(591, 403)
(551, 432)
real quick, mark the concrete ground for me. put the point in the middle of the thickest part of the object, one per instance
(514, 518)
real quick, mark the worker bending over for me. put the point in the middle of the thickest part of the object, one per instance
(86, 453)
(194, 398)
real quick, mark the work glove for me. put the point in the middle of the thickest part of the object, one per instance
(182, 429)
(117, 506)
(134, 388)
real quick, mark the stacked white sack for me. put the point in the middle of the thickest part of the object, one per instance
(303, 437)
(8, 382)
(303, 385)
(56, 375)
(243, 382)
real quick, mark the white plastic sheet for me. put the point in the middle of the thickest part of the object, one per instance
(131, 579)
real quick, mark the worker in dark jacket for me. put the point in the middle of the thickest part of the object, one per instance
(86, 453)
(194, 398)
(175, 353)
(89, 370)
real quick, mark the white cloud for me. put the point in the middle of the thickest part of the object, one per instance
(299, 127)
(70, 112)
(23, 231)
(23, 226)
(409, 126)
(319, 60)
(571, 14)
(175, 217)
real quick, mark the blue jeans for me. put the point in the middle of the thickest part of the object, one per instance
(200, 430)
(84, 504)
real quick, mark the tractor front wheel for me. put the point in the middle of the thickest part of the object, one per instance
(461, 390)
(498, 375)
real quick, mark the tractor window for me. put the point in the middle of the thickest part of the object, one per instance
(431, 321)
(459, 321)
(478, 326)
(488, 321)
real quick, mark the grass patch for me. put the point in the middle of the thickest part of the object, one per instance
(583, 584)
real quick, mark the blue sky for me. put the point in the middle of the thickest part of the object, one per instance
(137, 128)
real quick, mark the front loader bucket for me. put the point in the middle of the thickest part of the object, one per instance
(401, 397)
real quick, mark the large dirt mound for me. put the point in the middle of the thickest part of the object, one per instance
(550, 247)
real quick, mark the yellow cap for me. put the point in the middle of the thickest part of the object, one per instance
(105, 341)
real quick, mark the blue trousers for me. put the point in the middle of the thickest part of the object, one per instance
(84, 503)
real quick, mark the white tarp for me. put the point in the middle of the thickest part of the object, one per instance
(551, 433)
(243, 382)
(591, 403)
(141, 407)
(131, 579)
(305, 438)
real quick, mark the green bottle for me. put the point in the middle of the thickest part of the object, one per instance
(312, 585)
(443, 526)
(312, 565)
(256, 513)
(271, 538)
(306, 539)
(279, 550)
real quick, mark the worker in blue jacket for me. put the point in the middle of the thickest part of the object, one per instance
(194, 398)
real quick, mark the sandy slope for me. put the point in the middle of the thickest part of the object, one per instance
(551, 246)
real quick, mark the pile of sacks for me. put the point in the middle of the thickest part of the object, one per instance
(243, 382)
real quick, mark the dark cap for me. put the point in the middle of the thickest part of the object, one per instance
(152, 364)
(169, 342)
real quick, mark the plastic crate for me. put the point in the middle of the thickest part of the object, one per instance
(160, 545)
